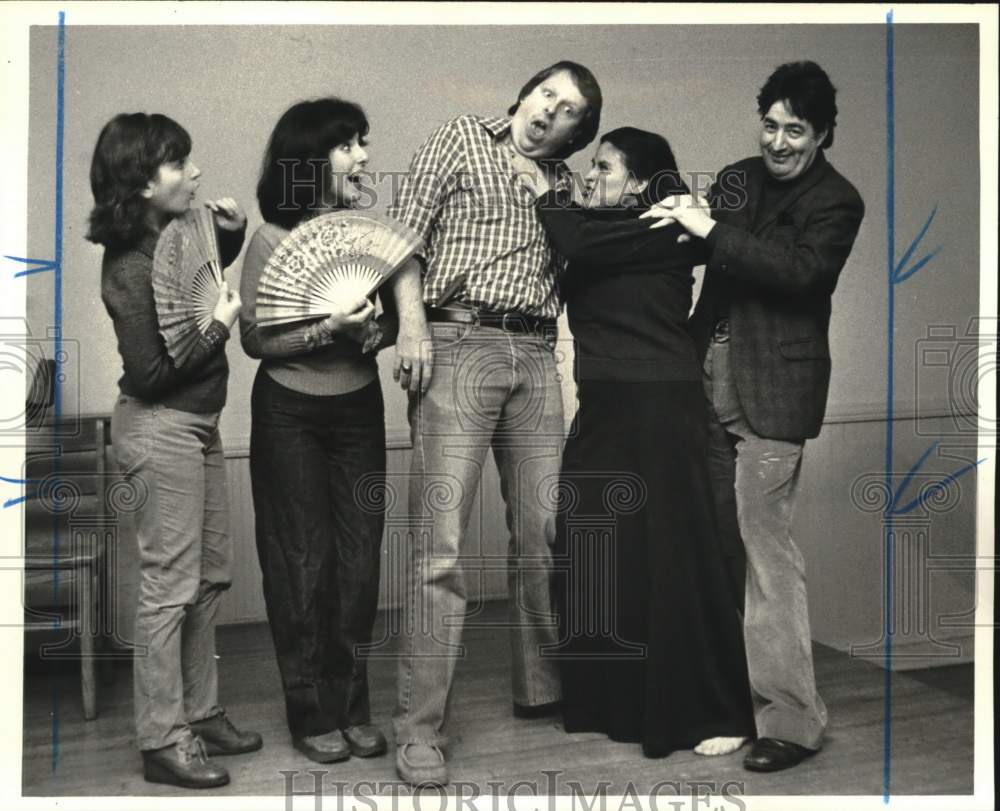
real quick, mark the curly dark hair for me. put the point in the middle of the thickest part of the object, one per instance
(295, 173)
(130, 150)
(809, 93)
(585, 82)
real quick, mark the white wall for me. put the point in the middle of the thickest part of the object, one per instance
(695, 84)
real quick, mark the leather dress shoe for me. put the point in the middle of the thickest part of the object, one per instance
(773, 755)
(222, 738)
(327, 748)
(421, 765)
(183, 764)
(536, 710)
(365, 740)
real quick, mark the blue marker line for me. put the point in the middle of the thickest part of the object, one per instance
(890, 214)
(57, 314)
(42, 265)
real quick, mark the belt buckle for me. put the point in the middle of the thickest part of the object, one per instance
(503, 322)
(720, 332)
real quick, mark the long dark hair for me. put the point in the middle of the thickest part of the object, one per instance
(295, 174)
(648, 156)
(129, 152)
(585, 82)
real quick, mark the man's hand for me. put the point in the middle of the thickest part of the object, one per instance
(529, 174)
(229, 215)
(414, 360)
(693, 214)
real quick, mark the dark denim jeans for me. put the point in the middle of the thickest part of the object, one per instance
(317, 467)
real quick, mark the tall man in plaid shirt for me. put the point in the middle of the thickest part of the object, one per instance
(490, 288)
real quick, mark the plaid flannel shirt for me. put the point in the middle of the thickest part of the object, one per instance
(463, 198)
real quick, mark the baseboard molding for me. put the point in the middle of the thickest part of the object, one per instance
(398, 438)
(943, 650)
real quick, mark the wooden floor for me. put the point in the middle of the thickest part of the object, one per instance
(932, 734)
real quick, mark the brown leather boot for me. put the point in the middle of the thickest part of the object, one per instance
(183, 764)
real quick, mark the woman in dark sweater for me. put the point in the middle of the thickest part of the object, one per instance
(651, 646)
(165, 434)
(317, 443)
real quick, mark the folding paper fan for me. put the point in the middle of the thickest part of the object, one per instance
(329, 261)
(187, 275)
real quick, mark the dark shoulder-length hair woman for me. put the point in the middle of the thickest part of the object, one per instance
(649, 158)
(130, 150)
(296, 179)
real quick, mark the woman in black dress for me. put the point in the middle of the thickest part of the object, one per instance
(651, 644)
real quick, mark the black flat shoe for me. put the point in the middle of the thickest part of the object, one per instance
(536, 710)
(328, 748)
(365, 740)
(183, 764)
(773, 755)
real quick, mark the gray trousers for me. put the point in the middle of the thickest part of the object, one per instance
(755, 481)
(185, 560)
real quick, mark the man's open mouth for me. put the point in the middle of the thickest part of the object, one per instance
(537, 127)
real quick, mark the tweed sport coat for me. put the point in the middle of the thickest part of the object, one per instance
(780, 274)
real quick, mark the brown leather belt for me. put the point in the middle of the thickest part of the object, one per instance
(510, 322)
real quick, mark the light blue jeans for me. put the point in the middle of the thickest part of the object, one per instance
(755, 481)
(490, 389)
(175, 460)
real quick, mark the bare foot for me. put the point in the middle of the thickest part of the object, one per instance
(719, 746)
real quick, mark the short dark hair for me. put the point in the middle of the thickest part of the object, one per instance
(648, 156)
(301, 142)
(585, 82)
(130, 151)
(808, 91)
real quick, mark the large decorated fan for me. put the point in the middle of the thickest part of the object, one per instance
(187, 275)
(329, 261)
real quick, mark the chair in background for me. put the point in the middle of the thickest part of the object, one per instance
(65, 537)
(42, 392)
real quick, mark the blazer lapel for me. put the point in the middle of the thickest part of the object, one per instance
(815, 176)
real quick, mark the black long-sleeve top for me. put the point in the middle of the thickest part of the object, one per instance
(627, 290)
(150, 374)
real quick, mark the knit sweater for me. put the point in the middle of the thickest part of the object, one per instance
(150, 374)
(627, 290)
(337, 366)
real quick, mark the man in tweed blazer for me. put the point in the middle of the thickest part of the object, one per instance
(779, 232)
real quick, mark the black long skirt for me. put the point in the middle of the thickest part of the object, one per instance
(651, 646)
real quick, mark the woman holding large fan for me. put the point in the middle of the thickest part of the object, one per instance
(317, 446)
(161, 282)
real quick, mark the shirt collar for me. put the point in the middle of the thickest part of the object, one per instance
(497, 126)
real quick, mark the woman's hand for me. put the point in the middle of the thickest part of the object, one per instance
(350, 318)
(529, 174)
(227, 308)
(693, 214)
(228, 214)
(414, 359)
